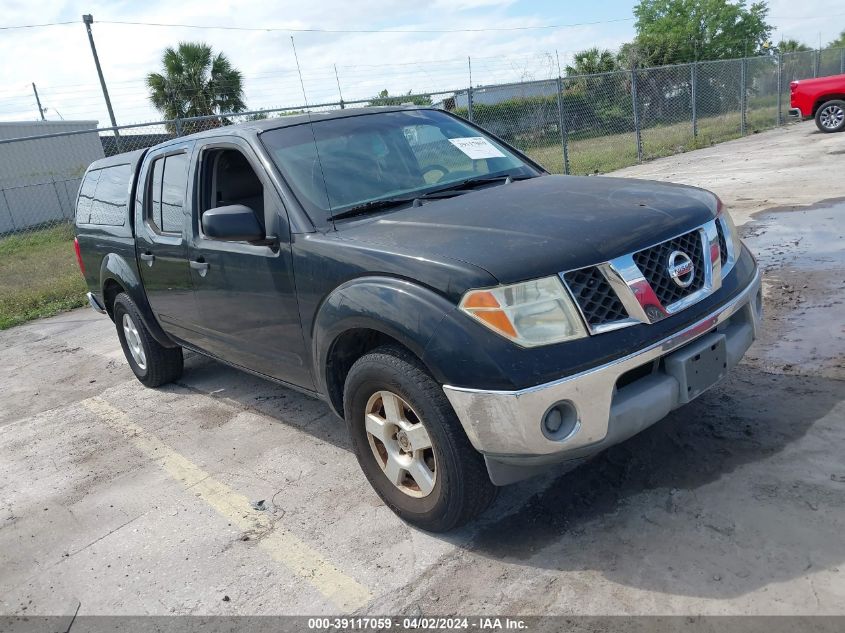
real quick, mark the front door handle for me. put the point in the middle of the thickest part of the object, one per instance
(200, 266)
(148, 257)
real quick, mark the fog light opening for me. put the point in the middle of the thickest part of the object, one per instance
(560, 421)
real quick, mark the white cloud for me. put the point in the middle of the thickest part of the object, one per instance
(467, 5)
(807, 21)
(58, 58)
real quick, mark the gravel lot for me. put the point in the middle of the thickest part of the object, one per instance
(116, 499)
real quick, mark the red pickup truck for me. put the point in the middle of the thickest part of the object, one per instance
(822, 98)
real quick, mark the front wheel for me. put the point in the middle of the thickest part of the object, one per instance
(410, 444)
(152, 363)
(830, 117)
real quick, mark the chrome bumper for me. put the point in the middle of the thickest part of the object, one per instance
(796, 112)
(95, 304)
(507, 425)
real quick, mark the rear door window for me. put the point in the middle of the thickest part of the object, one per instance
(173, 186)
(154, 208)
(166, 194)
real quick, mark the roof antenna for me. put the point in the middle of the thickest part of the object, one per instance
(313, 135)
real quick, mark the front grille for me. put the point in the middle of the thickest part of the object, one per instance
(723, 245)
(653, 263)
(595, 297)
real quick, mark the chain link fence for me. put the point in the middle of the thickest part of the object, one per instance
(575, 125)
(578, 125)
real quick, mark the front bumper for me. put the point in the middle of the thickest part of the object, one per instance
(796, 112)
(506, 426)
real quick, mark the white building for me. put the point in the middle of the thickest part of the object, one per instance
(39, 178)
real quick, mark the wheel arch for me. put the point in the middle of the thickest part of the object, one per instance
(820, 101)
(111, 288)
(118, 275)
(366, 313)
(347, 348)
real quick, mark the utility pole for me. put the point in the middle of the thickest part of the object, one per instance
(340, 94)
(88, 20)
(38, 101)
(469, 91)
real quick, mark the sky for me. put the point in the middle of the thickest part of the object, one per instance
(58, 58)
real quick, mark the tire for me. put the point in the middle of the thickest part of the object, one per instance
(830, 116)
(153, 364)
(455, 488)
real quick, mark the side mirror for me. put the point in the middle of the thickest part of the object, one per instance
(232, 223)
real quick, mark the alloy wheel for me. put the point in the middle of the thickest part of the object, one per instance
(831, 117)
(133, 342)
(401, 444)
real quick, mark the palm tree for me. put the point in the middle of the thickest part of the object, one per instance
(839, 42)
(195, 82)
(792, 46)
(591, 61)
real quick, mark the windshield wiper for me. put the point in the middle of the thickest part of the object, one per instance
(386, 203)
(471, 183)
(373, 205)
(453, 189)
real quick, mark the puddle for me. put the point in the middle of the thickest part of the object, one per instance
(806, 238)
(802, 254)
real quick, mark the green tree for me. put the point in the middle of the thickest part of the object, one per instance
(839, 42)
(677, 31)
(384, 99)
(629, 56)
(793, 46)
(591, 61)
(196, 82)
(595, 100)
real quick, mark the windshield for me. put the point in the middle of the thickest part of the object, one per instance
(376, 156)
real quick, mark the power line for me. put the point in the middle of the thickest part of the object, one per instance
(33, 26)
(538, 27)
(826, 16)
(318, 30)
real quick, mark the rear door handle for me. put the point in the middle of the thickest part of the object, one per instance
(200, 266)
(148, 257)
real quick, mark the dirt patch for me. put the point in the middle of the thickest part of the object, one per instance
(802, 256)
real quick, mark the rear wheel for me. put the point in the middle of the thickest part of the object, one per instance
(153, 364)
(830, 117)
(410, 444)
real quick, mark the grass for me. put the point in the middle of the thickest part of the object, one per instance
(603, 154)
(38, 275)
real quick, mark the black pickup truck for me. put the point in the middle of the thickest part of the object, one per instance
(472, 318)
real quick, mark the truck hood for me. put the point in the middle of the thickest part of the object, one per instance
(542, 226)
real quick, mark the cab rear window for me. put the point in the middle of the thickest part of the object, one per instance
(103, 196)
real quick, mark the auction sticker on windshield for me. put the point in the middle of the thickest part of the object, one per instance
(476, 147)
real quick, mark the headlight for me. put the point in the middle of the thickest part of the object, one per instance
(530, 313)
(726, 225)
(733, 233)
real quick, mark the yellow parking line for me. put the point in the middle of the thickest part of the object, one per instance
(284, 547)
